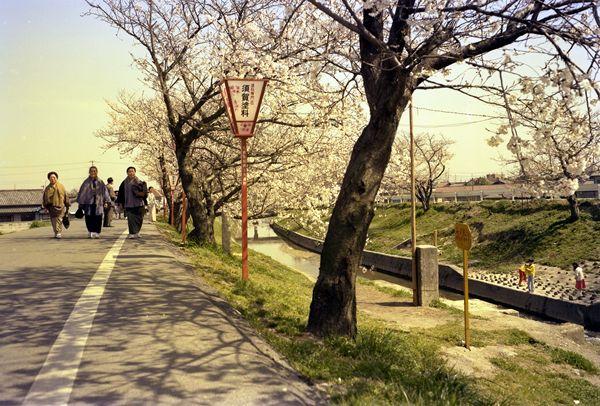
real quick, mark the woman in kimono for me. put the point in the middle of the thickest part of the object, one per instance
(56, 201)
(132, 198)
(93, 198)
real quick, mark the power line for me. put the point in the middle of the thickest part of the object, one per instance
(458, 113)
(452, 124)
(57, 166)
(63, 170)
(61, 164)
(41, 165)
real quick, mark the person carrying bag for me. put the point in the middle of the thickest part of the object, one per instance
(56, 202)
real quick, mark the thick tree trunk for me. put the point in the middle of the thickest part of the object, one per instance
(225, 233)
(201, 211)
(573, 207)
(177, 213)
(333, 307)
(203, 232)
(165, 184)
(424, 197)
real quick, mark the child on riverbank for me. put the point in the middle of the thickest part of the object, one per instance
(522, 277)
(528, 269)
(579, 276)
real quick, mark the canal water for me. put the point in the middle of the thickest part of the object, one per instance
(307, 262)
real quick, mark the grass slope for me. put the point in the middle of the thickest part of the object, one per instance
(505, 233)
(384, 365)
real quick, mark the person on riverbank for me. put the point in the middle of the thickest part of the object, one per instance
(93, 199)
(56, 201)
(109, 212)
(579, 276)
(132, 198)
(529, 270)
(151, 204)
(522, 276)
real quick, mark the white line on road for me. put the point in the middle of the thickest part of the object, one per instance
(54, 382)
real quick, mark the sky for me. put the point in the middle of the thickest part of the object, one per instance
(58, 68)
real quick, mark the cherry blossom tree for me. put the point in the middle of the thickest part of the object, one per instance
(322, 52)
(398, 47)
(137, 128)
(432, 153)
(553, 134)
(188, 47)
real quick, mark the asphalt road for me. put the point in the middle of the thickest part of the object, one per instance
(118, 321)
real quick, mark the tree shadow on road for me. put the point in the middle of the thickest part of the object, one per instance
(159, 335)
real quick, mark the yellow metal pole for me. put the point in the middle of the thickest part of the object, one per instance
(413, 220)
(466, 294)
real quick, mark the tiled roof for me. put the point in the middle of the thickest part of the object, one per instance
(21, 197)
(494, 190)
(461, 188)
(14, 210)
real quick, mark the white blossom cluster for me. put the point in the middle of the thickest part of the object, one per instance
(553, 133)
(315, 106)
(299, 153)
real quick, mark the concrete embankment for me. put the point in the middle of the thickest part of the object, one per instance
(450, 277)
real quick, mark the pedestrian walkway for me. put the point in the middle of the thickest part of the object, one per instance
(159, 335)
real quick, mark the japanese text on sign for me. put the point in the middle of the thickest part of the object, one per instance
(243, 98)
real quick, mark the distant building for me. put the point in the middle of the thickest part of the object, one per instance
(461, 192)
(590, 189)
(21, 205)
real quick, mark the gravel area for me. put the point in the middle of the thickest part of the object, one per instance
(552, 282)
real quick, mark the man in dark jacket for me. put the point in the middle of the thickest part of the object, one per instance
(132, 195)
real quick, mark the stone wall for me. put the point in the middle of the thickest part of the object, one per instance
(450, 278)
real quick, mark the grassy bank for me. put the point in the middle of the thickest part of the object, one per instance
(39, 223)
(384, 365)
(505, 233)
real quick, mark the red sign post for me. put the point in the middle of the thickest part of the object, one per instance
(243, 98)
(171, 186)
(183, 217)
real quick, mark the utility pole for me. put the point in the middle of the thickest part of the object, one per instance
(413, 219)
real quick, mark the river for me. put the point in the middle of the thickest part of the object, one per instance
(307, 262)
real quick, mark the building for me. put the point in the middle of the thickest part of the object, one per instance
(591, 188)
(21, 205)
(460, 192)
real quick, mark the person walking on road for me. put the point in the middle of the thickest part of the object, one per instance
(132, 197)
(579, 276)
(529, 270)
(151, 204)
(56, 201)
(118, 209)
(109, 211)
(93, 198)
